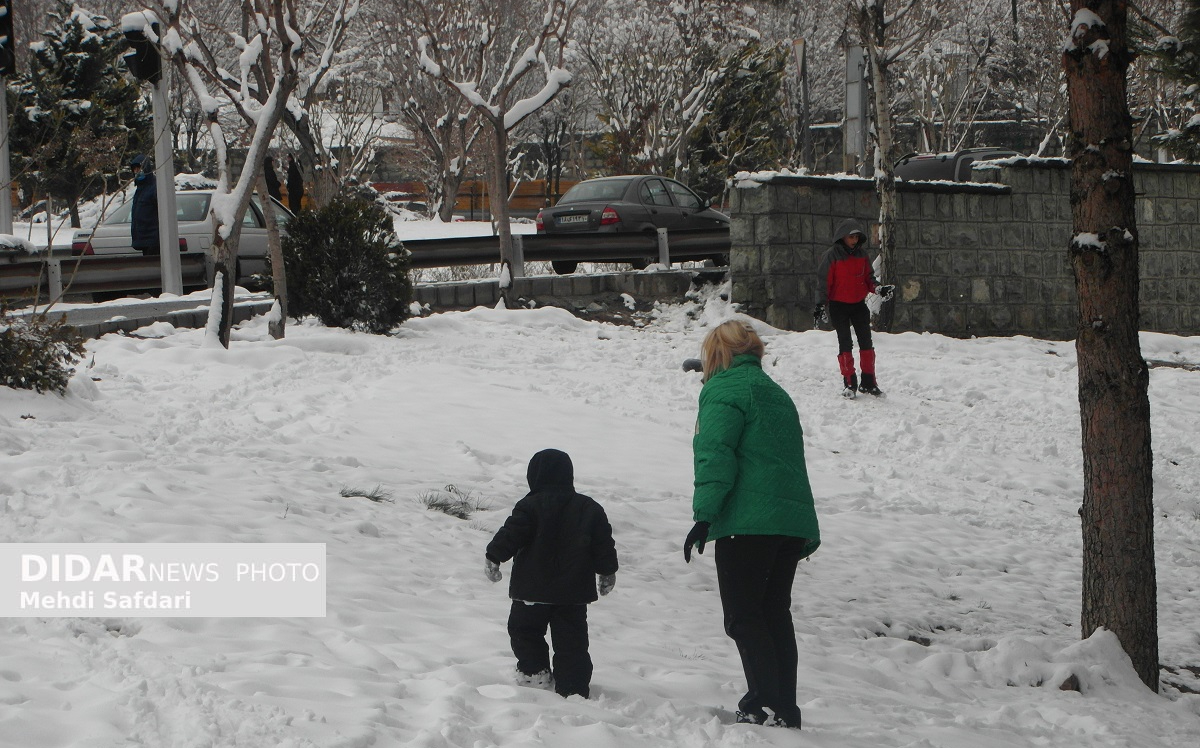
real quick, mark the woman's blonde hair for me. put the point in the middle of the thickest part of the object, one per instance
(726, 340)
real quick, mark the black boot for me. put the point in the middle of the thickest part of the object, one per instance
(869, 386)
(757, 717)
(850, 386)
(791, 720)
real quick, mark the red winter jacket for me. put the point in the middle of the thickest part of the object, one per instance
(845, 274)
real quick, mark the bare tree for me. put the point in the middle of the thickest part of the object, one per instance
(269, 61)
(444, 125)
(320, 116)
(484, 54)
(817, 96)
(1159, 102)
(949, 78)
(655, 69)
(555, 139)
(351, 111)
(1119, 589)
(889, 31)
(1030, 81)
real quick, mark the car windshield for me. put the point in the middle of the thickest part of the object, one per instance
(189, 206)
(598, 189)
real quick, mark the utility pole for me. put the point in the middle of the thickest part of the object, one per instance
(854, 137)
(7, 68)
(146, 64)
(806, 141)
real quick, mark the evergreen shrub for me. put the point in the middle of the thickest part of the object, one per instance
(37, 354)
(346, 267)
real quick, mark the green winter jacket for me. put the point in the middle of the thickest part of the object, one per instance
(751, 478)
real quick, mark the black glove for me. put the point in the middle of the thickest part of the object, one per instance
(885, 292)
(697, 536)
(820, 315)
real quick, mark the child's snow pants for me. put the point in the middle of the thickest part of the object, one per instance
(527, 624)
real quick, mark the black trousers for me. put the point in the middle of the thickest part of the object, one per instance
(843, 316)
(569, 633)
(755, 575)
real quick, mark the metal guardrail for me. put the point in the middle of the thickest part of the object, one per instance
(48, 274)
(695, 244)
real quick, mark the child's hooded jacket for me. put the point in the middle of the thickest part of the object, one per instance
(559, 540)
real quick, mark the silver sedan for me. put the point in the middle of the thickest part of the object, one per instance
(112, 237)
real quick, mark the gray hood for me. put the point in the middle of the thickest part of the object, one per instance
(851, 226)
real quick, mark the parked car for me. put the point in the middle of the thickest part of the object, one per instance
(627, 204)
(950, 167)
(111, 236)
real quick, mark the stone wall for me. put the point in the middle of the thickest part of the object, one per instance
(986, 258)
(573, 292)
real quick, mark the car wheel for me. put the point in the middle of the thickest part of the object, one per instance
(564, 267)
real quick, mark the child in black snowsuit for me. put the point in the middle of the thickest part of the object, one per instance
(560, 540)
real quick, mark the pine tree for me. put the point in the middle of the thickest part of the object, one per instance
(1178, 58)
(1119, 587)
(76, 117)
(743, 129)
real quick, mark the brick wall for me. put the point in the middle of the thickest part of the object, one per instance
(987, 258)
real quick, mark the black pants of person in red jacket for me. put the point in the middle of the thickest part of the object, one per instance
(568, 631)
(843, 316)
(755, 575)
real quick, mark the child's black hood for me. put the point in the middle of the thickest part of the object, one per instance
(550, 468)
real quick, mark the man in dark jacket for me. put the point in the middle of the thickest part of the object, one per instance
(272, 179)
(295, 185)
(559, 541)
(844, 279)
(143, 218)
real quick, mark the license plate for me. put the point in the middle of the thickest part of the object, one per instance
(582, 218)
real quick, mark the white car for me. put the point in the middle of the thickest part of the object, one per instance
(111, 236)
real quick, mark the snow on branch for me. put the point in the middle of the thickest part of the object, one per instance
(1084, 21)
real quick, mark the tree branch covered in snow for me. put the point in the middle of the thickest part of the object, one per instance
(655, 73)
(486, 54)
(268, 61)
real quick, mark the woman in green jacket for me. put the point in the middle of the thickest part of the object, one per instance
(752, 497)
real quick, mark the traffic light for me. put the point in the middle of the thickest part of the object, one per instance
(8, 61)
(142, 59)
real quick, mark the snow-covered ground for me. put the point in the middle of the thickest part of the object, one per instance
(942, 610)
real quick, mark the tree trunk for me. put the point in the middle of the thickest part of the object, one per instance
(885, 177)
(275, 327)
(1119, 588)
(498, 200)
(225, 258)
(451, 182)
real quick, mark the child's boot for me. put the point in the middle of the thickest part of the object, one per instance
(541, 679)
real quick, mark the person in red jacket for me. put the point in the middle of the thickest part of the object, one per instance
(844, 279)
